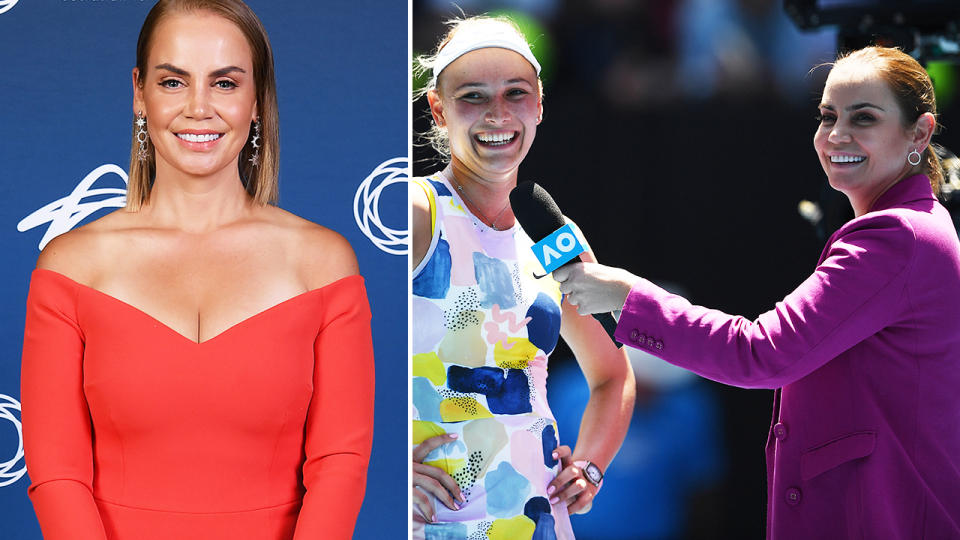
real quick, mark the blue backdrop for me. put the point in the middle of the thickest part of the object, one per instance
(65, 121)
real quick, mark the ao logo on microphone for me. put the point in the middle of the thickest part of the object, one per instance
(7, 5)
(560, 247)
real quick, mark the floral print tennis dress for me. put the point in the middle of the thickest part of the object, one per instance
(483, 326)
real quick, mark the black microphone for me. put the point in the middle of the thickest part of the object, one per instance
(539, 215)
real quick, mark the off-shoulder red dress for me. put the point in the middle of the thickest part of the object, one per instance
(132, 431)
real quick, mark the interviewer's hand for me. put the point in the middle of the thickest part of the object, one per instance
(433, 480)
(570, 485)
(594, 288)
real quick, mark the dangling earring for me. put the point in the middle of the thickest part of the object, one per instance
(910, 158)
(255, 143)
(142, 136)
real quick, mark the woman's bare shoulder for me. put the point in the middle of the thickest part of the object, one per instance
(323, 255)
(80, 253)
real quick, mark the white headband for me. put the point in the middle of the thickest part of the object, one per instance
(482, 35)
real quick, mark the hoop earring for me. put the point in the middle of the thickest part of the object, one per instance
(142, 137)
(255, 143)
(910, 157)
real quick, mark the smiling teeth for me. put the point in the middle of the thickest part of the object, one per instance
(496, 138)
(846, 159)
(206, 137)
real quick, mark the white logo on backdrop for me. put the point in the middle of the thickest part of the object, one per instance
(366, 206)
(9, 472)
(7, 5)
(64, 214)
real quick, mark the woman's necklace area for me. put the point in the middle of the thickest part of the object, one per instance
(484, 220)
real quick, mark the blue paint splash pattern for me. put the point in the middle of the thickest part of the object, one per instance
(507, 391)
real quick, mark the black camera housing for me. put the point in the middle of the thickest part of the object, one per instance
(925, 29)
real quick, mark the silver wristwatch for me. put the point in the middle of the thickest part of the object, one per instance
(591, 472)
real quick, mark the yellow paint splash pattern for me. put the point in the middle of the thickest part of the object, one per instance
(423, 430)
(460, 409)
(450, 466)
(518, 353)
(515, 528)
(429, 365)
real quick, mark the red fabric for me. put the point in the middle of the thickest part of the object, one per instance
(133, 431)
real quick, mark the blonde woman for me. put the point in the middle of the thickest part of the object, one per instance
(487, 461)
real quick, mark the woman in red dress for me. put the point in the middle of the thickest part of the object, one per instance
(199, 364)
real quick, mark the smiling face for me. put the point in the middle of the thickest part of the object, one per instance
(489, 102)
(198, 94)
(862, 140)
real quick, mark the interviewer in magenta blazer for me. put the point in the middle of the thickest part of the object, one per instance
(865, 353)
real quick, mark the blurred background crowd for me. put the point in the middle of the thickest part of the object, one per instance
(693, 121)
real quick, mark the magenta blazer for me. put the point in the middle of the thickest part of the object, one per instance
(865, 357)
